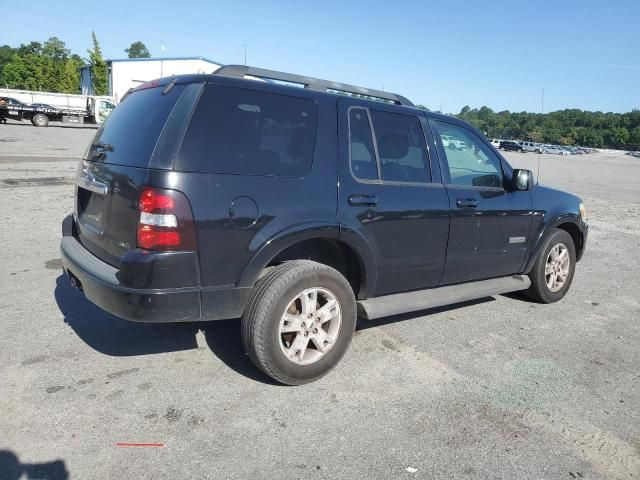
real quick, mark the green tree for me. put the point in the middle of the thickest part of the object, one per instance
(55, 49)
(54, 55)
(70, 77)
(617, 137)
(98, 67)
(138, 50)
(6, 54)
(25, 72)
(634, 138)
(32, 47)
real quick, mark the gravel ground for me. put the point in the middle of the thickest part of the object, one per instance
(498, 388)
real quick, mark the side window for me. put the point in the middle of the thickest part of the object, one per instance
(470, 161)
(241, 131)
(401, 147)
(362, 152)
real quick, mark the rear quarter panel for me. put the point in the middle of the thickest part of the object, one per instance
(227, 247)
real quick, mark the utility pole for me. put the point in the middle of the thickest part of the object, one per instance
(244, 45)
(542, 102)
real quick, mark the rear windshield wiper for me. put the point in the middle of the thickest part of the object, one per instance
(169, 86)
(107, 147)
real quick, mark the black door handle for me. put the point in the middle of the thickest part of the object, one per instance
(363, 200)
(466, 203)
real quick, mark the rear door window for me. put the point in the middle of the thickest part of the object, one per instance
(248, 132)
(129, 134)
(399, 153)
(364, 165)
(401, 147)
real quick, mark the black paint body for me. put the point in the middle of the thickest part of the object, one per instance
(413, 236)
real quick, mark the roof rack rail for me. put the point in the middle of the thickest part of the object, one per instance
(239, 71)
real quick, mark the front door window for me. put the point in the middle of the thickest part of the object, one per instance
(471, 162)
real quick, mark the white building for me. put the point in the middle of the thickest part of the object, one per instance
(130, 72)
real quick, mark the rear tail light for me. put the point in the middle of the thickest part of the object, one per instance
(165, 221)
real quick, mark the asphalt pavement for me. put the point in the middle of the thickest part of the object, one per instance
(498, 388)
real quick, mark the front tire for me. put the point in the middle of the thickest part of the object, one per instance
(299, 321)
(553, 271)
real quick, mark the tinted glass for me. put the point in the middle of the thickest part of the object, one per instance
(363, 155)
(470, 161)
(240, 131)
(401, 147)
(132, 129)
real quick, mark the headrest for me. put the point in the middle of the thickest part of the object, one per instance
(393, 145)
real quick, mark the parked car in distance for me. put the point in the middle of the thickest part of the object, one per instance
(453, 143)
(532, 147)
(496, 142)
(552, 150)
(296, 210)
(511, 145)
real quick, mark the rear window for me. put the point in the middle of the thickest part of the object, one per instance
(130, 133)
(240, 131)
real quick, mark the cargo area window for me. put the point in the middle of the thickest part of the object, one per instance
(248, 132)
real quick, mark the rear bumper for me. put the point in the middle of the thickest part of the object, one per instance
(102, 285)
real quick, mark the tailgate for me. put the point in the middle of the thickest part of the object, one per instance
(107, 208)
(117, 164)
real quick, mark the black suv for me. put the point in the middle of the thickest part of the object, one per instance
(511, 145)
(206, 197)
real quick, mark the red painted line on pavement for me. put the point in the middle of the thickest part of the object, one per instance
(126, 444)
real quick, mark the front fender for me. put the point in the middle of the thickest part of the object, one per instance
(545, 229)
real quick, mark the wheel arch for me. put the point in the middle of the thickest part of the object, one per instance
(318, 242)
(571, 224)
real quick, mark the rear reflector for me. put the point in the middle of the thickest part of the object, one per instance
(165, 222)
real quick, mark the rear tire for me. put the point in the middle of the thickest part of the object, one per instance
(285, 330)
(553, 271)
(40, 120)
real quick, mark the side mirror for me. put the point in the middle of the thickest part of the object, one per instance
(522, 179)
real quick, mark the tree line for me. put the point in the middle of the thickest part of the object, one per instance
(563, 127)
(51, 67)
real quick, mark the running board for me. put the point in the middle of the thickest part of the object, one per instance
(437, 297)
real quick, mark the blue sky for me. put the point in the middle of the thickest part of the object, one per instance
(448, 54)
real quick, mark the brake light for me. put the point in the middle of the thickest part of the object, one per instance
(165, 221)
